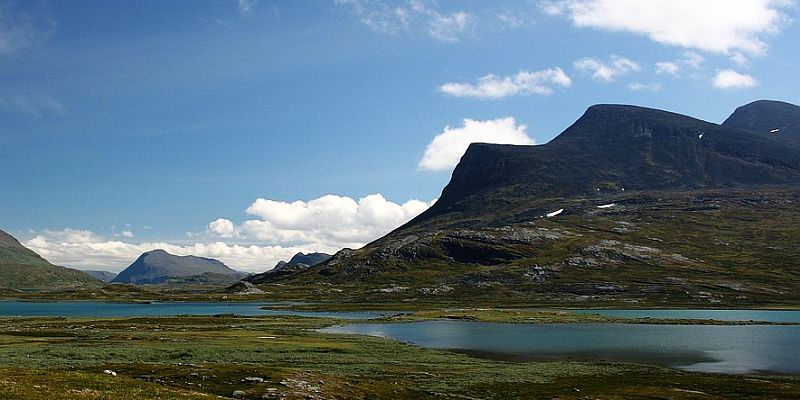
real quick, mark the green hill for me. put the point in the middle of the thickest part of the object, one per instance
(21, 268)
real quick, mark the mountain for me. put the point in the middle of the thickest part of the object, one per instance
(629, 204)
(299, 262)
(104, 276)
(777, 120)
(160, 267)
(21, 268)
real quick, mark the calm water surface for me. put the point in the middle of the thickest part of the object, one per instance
(720, 315)
(725, 349)
(158, 309)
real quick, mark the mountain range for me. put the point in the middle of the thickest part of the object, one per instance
(627, 204)
(299, 262)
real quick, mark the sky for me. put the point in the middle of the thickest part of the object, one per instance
(249, 130)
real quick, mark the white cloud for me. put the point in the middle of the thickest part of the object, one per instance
(223, 228)
(524, 82)
(127, 234)
(31, 105)
(718, 26)
(690, 60)
(17, 31)
(246, 7)
(645, 87)
(730, 79)
(414, 15)
(606, 72)
(87, 250)
(329, 221)
(446, 149)
(668, 68)
(448, 28)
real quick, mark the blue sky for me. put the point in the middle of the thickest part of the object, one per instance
(141, 124)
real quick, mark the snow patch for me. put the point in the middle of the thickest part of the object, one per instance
(775, 130)
(607, 205)
(554, 213)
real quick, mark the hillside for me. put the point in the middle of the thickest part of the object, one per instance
(160, 267)
(21, 268)
(626, 205)
(298, 263)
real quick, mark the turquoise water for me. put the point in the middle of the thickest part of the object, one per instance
(725, 349)
(157, 309)
(720, 315)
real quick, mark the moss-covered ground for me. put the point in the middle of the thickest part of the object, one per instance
(212, 357)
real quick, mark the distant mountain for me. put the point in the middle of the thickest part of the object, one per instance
(629, 204)
(773, 119)
(299, 262)
(104, 276)
(160, 267)
(21, 268)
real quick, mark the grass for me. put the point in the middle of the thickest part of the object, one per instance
(198, 357)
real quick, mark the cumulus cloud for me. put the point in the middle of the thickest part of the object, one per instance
(522, 83)
(645, 87)
(606, 71)
(446, 149)
(730, 79)
(86, 250)
(223, 228)
(414, 15)
(718, 26)
(331, 220)
(277, 231)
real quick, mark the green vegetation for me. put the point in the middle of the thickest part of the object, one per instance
(200, 357)
(21, 268)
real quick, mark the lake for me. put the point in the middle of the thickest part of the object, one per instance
(161, 309)
(732, 349)
(791, 316)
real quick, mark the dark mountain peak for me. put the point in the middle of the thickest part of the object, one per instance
(620, 121)
(158, 266)
(772, 118)
(300, 262)
(615, 147)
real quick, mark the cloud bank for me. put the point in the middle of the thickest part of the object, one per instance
(277, 231)
(446, 149)
(522, 83)
(86, 250)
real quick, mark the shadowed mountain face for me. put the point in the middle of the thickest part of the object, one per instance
(611, 148)
(773, 119)
(628, 204)
(158, 266)
(299, 262)
(104, 276)
(21, 268)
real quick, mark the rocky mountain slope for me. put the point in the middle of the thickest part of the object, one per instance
(160, 267)
(298, 263)
(628, 204)
(21, 268)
